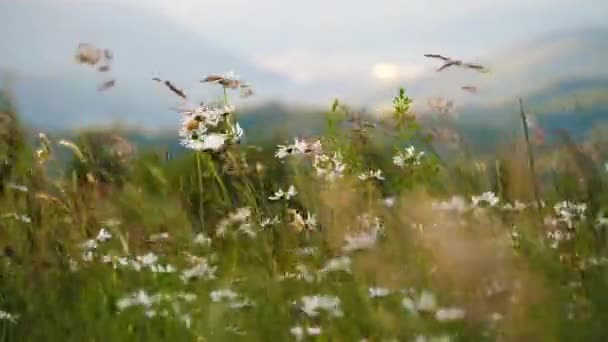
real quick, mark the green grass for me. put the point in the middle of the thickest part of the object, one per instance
(494, 266)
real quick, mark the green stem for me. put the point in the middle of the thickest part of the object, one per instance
(200, 188)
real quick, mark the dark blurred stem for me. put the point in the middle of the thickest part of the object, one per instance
(530, 158)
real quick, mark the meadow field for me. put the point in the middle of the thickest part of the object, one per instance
(375, 230)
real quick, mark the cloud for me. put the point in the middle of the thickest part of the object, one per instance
(307, 66)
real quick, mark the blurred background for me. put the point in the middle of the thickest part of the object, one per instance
(301, 55)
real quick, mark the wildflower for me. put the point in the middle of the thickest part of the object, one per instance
(389, 202)
(17, 187)
(269, 222)
(202, 239)
(240, 216)
(304, 273)
(371, 174)
(291, 192)
(15, 216)
(202, 271)
(8, 317)
(148, 259)
(141, 297)
(298, 332)
(408, 158)
(312, 304)
(426, 303)
(377, 292)
(366, 239)
(201, 128)
(329, 167)
(103, 235)
(158, 237)
(298, 147)
(449, 314)
(337, 264)
(305, 251)
(487, 198)
(568, 212)
(223, 294)
(298, 222)
(89, 244)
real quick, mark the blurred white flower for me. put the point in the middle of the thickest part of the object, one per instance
(17, 187)
(201, 271)
(487, 198)
(337, 264)
(223, 294)
(449, 314)
(158, 237)
(6, 316)
(202, 239)
(371, 174)
(103, 235)
(148, 259)
(298, 147)
(287, 195)
(409, 158)
(269, 222)
(17, 217)
(329, 167)
(312, 304)
(377, 292)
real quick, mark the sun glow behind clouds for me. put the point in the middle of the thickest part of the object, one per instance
(391, 72)
(385, 71)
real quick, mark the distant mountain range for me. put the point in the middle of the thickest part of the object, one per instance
(559, 72)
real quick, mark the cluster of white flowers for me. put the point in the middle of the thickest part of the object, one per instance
(91, 245)
(557, 236)
(287, 195)
(299, 147)
(378, 292)
(201, 270)
(17, 187)
(240, 217)
(426, 302)
(146, 261)
(311, 305)
(488, 198)
(206, 128)
(299, 223)
(302, 273)
(234, 299)
(329, 167)
(371, 230)
(6, 316)
(338, 264)
(568, 213)
(202, 239)
(269, 221)
(409, 158)
(299, 332)
(371, 174)
(153, 304)
(158, 237)
(17, 217)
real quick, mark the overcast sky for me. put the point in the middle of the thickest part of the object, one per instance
(315, 39)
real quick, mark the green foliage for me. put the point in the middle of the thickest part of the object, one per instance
(201, 211)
